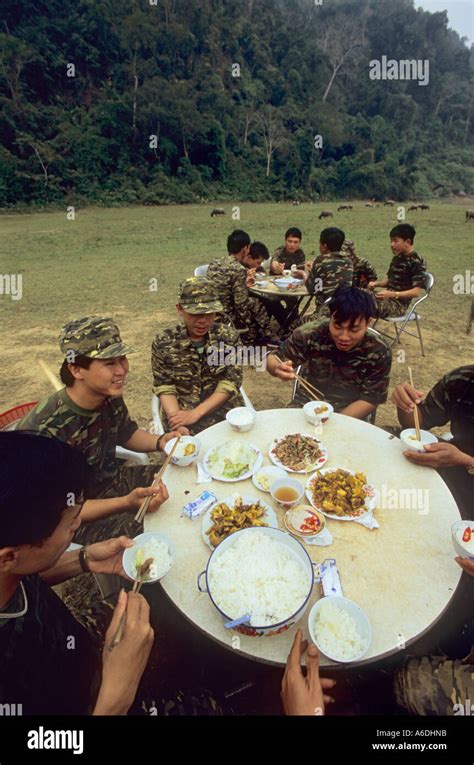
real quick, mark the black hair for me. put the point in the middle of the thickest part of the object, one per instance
(39, 478)
(65, 373)
(259, 250)
(404, 231)
(236, 241)
(333, 238)
(294, 232)
(350, 303)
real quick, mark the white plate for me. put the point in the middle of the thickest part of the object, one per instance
(321, 461)
(272, 472)
(269, 517)
(370, 500)
(256, 466)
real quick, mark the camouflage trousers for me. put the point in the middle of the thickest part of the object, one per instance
(129, 478)
(390, 308)
(435, 686)
(255, 320)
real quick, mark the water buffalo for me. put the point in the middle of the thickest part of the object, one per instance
(389, 202)
(217, 211)
(413, 207)
(344, 207)
(424, 207)
(469, 215)
(325, 214)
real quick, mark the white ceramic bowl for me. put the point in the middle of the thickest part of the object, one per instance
(315, 417)
(269, 473)
(409, 441)
(290, 483)
(242, 418)
(179, 458)
(463, 549)
(129, 554)
(360, 617)
(297, 549)
(283, 284)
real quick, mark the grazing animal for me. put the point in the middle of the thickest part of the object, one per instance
(344, 207)
(389, 203)
(413, 207)
(296, 202)
(469, 215)
(325, 214)
(424, 207)
(369, 204)
(217, 211)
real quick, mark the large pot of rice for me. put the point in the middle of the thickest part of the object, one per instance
(262, 572)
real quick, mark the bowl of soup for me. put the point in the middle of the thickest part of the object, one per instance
(286, 492)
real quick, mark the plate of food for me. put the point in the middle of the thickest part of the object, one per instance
(298, 453)
(233, 460)
(233, 514)
(341, 494)
(266, 476)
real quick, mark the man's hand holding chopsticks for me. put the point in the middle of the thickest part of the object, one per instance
(158, 494)
(281, 369)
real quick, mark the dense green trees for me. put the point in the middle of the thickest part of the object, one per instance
(128, 100)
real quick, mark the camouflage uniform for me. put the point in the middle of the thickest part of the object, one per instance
(364, 272)
(452, 400)
(96, 433)
(288, 258)
(342, 376)
(243, 310)
(194, 371)
(433, 685)
(327, 273)
(405, 273)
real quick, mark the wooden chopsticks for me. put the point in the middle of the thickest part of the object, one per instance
(416, 413)
(309, 387)
(50, 375)
(144, 506)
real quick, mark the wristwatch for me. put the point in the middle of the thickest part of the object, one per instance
(83, 560)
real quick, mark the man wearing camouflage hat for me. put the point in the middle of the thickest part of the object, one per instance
(90, 414)
(195, 373)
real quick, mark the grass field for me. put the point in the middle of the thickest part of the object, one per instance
(102, 263)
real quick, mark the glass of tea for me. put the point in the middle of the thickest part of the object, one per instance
(286, 492)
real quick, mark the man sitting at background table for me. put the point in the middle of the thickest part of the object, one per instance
(340, 357)
(90, 414)
(194, 375)
(232, 275)
(288, 254)
(451, 400)
(364, 272)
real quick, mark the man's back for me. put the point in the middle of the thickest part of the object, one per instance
(227, 275)
(328, 272)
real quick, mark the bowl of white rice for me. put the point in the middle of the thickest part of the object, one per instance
(241, 418)
(340, 629)
(149, 545)
(262, 572)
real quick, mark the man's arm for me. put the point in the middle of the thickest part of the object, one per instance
(358, 409)
(378, 283)
(102, 558)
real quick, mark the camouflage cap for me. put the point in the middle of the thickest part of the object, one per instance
(348, 246)
(95, 337)
(198, 295)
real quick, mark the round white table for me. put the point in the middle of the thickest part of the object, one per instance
(402, 574)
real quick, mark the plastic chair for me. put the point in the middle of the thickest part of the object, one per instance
(201, 270)
(400, 322)
(157, 425)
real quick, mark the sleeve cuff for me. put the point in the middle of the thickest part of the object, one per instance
(170, 390)
(225, 386)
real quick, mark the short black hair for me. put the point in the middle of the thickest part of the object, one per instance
(39, 478)
(294, 232)
(404, 231)
(333, 238)
(236, 241)
(65, 374)
(350, 303)
(259, 250)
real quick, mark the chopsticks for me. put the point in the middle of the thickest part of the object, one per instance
(144, 506)
(50, 375)
(309, 387)
(416, 413)
(119, 631)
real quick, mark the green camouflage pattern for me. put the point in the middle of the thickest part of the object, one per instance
(405, 273)
(333, 270)
(243, 310)
(364, 272)
(452, 400)
(434, 685)
(96, 337)
(288, 258)
(95, 433)
(197, 295)
(178, 369)
(342, 376)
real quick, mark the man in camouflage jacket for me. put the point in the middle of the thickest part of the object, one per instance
(195, 367)
(90, 414)
(364, 272)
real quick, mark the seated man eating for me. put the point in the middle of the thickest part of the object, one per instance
(194, 364)
(340, 357)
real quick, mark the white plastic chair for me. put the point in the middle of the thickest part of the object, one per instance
(138, 458)
(201, 270)
(157, 425)
(400, 322)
